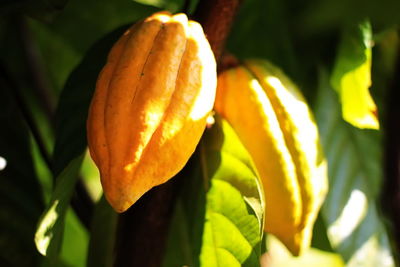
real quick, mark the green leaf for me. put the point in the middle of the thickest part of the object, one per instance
(75, 241)
(49, 234)
(219, 218)
(45, 10)
(21, 201)
(90, 174)
(355, 228)
(351, 77)
(102, 237)
(171, 5)
(74, 103)
(64, 42)
(318, 17)
(264, 25)
(320, 238)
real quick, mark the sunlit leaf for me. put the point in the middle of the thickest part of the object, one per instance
(219, 218)
(351, 77)
(75, 241)
(90, 174)
(355, 228)
(49, 234)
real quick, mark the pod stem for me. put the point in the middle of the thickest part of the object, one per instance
(143, 229)
(216, 17)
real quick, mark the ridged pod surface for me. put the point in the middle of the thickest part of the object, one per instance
(273, 121)
(150, 105)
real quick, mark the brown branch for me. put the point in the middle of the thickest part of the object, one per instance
(143, 229)
(216, 17)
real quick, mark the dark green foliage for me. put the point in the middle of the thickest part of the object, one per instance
(21, 199)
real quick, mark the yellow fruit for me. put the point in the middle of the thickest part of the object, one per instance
(276, 126)
(150, 105)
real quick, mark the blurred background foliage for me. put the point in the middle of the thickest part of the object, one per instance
(51, 53)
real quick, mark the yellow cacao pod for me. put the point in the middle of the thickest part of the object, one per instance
(150, 105)
(276, 126)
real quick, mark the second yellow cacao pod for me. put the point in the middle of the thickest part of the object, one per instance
(150, 105)
(276, 126)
